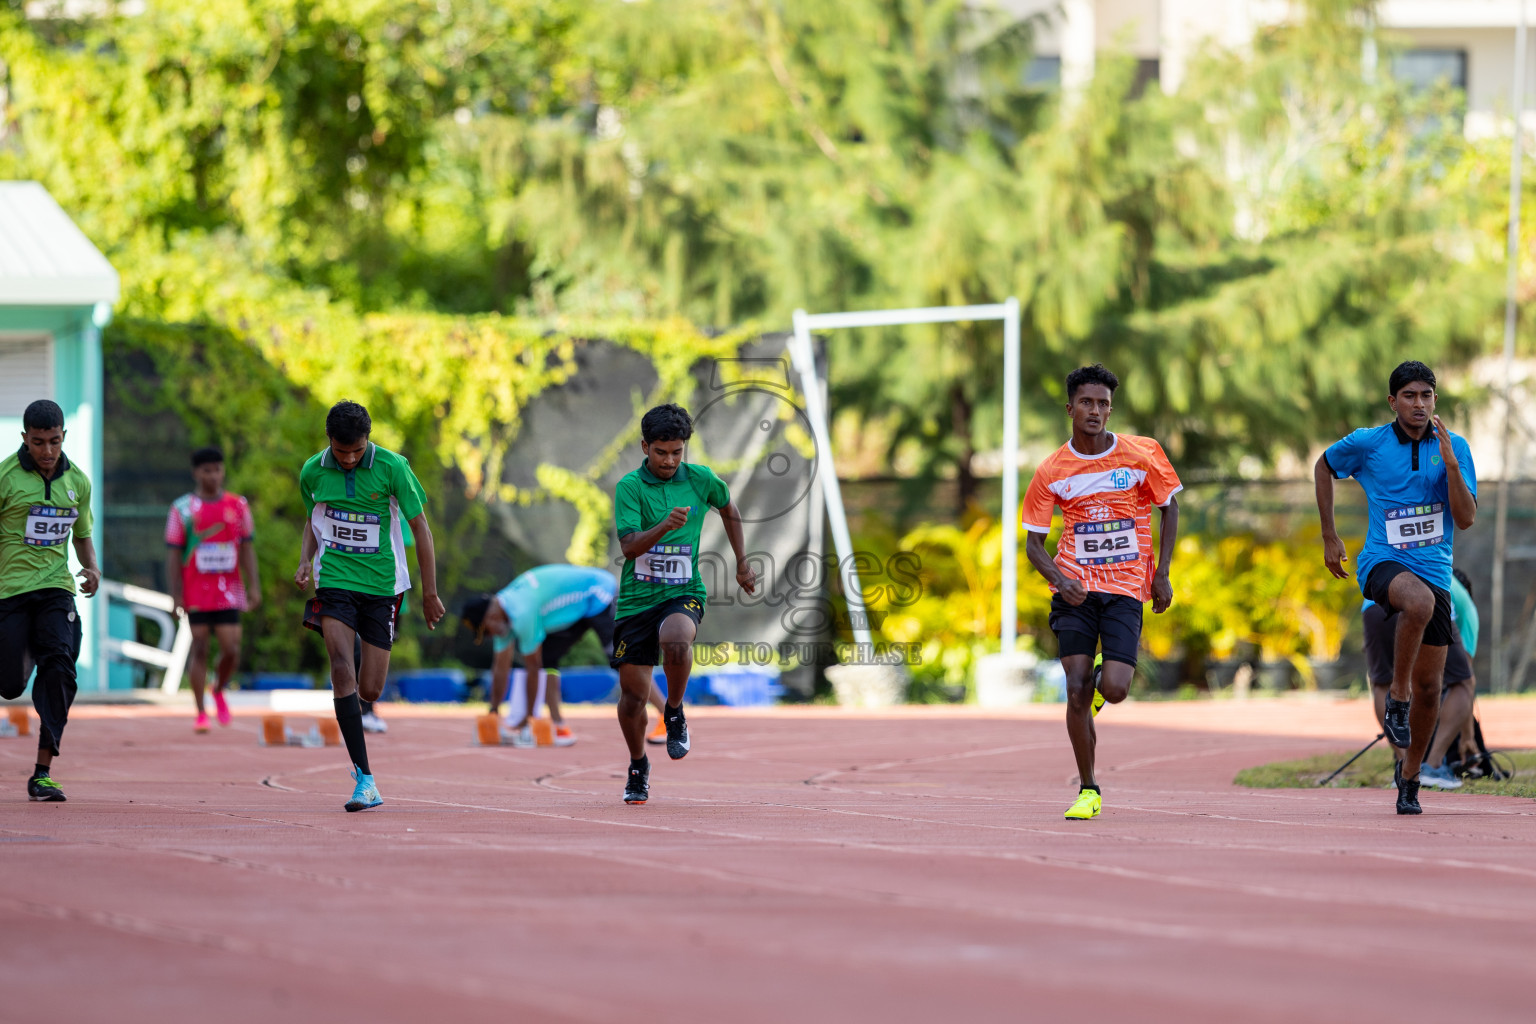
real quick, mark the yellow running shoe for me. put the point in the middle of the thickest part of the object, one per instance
(1098, 702)
(1087, 805)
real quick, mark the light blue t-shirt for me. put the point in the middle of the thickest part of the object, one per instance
(548, 598)
(1408, 496)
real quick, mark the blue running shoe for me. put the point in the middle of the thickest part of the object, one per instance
(1439, 777)
(366, 794)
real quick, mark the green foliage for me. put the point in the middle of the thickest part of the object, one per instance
(307, 135)
(1274, 595)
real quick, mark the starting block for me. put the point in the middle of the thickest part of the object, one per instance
(17, 723)
(276, 732)
(488, 731)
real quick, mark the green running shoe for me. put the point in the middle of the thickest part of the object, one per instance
(44, 789)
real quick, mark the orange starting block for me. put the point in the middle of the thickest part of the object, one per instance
(322, 732)
(17, 723)
(488, 731)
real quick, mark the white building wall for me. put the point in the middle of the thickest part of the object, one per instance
(1173, 31)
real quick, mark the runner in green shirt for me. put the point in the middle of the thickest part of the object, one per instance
(45, 507)
(660, 509)
(361, 498)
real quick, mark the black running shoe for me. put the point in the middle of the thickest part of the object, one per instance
(1395, 723)
(677, 733)
(43, 788)
(638, 789)
(1407, 792)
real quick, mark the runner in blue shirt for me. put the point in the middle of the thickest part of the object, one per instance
(543, 613)
(1418, 480)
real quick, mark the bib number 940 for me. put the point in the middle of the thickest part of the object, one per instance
(352, 533)
(48, 526)
(1106, 543)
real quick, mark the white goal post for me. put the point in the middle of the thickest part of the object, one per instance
(805, 364)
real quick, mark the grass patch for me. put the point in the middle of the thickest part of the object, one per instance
(1374, 770)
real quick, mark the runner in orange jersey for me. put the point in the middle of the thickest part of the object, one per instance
(1103, 572)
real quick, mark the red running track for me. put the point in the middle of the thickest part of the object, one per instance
(808, 865)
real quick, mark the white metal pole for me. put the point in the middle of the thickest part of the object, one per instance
(1010, 516)
(1501, 679)
(804, 358)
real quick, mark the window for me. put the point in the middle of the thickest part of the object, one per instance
(26, 371)
(1147, 72)
(1043, 73)
(1425, 69)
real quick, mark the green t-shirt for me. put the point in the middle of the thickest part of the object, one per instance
(1466, 616)
(671, 568)
(37, 520)
(359, 517)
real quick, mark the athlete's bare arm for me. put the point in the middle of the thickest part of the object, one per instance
(1463, 505)
(249, 571)
(730, 515)
(307, 548)
(1334, 555)
(1167, 537)
(1071, 590)
(90, 575)
(426, 559)
(501, 670)
(173, 577)
(636, 544)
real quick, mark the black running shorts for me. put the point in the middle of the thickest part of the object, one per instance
(1113, 619)
(1381, 651)
(373, 617)
(1441, 629)
(222, 617)
(41, 629)
(637, 637)
(559, 643)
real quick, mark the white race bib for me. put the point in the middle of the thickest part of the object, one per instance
(48, 526)
(352, 533)
(1416, 526)
(671, 564)
(214, 559)
(1105, 543)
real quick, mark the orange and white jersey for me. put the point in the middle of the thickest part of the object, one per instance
(1106, 503)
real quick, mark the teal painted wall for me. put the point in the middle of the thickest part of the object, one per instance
(77, 387)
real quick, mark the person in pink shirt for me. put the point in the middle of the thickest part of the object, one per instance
(208, 539)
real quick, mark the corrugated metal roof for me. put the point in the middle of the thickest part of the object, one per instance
(45, 260)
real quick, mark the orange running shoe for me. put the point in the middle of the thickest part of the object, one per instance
(658, 735)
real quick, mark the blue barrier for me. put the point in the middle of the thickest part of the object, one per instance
(278, 681)
(733, 687)
(745, 689)
(434, 685)
(588, 684)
